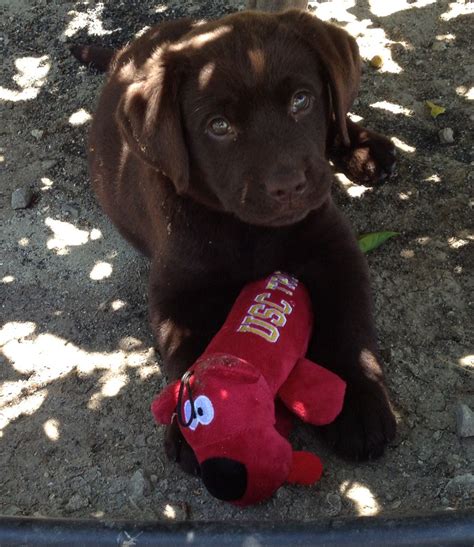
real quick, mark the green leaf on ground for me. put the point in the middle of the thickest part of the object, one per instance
(435, 110)
(367, 242)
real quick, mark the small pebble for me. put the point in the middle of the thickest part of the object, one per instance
(407, 253)
(464, 421)
(48, 164)
(438, 46)
(76, 502)
(37, 133)
(21, 197)
(446, 135)
(462, 484)
(138, 485)
(72, 210)
(437, 435)
(376, 61)
(333, 505)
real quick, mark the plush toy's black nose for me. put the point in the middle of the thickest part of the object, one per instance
(225, 479)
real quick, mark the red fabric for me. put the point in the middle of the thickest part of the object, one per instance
(306, 468)
(276, 307)
(313, 393)
(256, 356)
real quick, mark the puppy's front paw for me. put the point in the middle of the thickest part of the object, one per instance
(178, 450)
(371, 159)
(365, 425)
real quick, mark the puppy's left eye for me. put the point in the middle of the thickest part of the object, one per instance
(219, 127)
(300, 101)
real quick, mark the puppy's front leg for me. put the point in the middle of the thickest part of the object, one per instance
(183, 322)
(344, 338)
(370, 159)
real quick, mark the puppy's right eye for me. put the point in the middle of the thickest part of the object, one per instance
(219, 127)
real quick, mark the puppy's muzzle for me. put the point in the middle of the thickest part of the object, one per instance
(286, 186)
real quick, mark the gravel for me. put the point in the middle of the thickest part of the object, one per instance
(79, 367)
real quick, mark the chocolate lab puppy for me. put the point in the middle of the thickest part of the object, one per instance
(210, 152)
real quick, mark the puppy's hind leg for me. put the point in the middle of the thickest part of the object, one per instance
(96, 57)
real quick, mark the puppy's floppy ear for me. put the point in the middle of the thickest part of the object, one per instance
(339, 55)
(150, 120)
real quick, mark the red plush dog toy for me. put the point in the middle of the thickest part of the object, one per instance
(225, 402)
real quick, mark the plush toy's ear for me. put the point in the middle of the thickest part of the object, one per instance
(306, 468)
(164, 406)
(149, 118)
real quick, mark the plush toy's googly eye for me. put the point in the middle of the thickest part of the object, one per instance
(204, 410)
(187, 416)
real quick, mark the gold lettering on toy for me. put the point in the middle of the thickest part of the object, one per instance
(264, 317)
(256, 326)
(281, 282)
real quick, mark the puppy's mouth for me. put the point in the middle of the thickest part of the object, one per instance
(287, 218)
(281, 219)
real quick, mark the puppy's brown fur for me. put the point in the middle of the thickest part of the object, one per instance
(209, 151)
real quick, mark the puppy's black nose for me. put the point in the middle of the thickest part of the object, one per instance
(286, 185)
(225, 479)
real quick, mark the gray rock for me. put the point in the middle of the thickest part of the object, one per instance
(37, 133)
(138, 485)
(72, 209)
(48, 164)
(332, 505)
(460, 485)
(438, 46)
(77, 502)
(464, 421)
(446, 136)
(21, 197)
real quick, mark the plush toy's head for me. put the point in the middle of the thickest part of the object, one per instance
(226, 413)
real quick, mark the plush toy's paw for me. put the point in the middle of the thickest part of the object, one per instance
(179, 451)
(371, 158)
(365, 425)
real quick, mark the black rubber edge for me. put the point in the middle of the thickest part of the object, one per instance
(440, 529)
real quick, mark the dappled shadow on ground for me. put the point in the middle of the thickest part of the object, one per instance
(79, 370)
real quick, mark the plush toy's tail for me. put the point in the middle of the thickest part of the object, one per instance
(306, 468)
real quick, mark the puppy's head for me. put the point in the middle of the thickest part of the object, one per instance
(236, 112)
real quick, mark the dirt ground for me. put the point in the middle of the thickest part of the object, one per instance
(77, 366)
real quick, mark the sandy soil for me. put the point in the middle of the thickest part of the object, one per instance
(78, 366)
